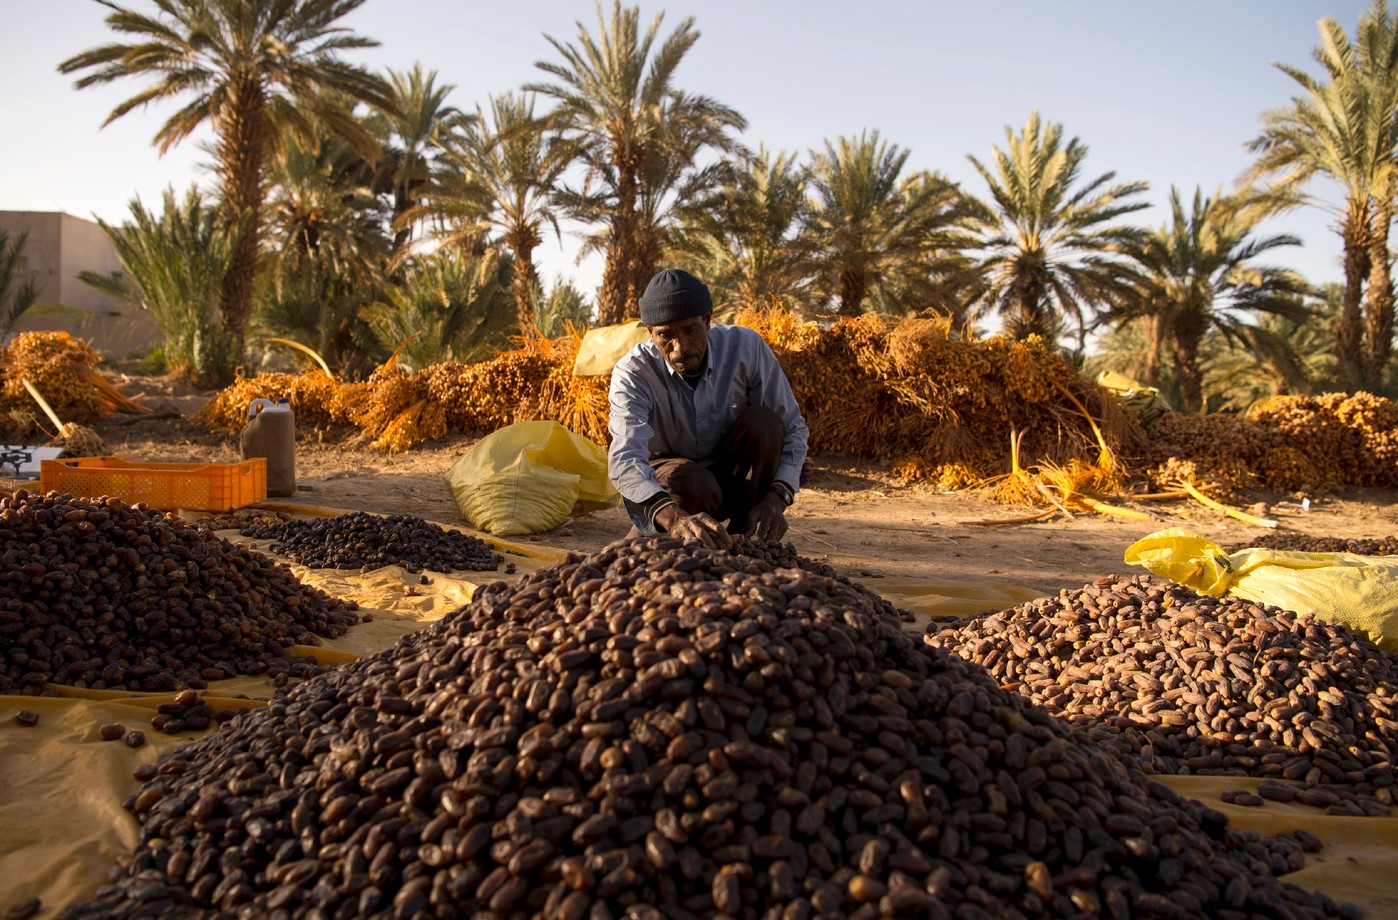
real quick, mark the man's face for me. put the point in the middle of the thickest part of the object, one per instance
(683, 343)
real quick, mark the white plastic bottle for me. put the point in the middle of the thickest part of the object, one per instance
(271, 433)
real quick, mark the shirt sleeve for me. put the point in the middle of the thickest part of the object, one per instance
(775, 392)
(628, 458)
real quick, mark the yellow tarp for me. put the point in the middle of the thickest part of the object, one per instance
(61, 786)
(1358, 864)
(928, 601)
(1360, 592)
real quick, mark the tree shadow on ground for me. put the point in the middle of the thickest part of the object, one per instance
(836, 473)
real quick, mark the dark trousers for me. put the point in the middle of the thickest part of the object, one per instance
(739, 475)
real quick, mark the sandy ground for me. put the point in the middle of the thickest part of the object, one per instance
(851, 514)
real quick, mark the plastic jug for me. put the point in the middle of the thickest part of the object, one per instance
(270, 432)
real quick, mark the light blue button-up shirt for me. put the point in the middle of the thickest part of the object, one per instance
(654, 412)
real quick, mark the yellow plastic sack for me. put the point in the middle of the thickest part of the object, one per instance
(602, 348)
(1145, 400)
(529, 478)
(1360, 592)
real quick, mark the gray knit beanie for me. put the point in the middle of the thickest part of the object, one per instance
(674, 294)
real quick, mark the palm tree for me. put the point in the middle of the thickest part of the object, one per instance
(1128, 346)
(1200, 274)
(500, 175)
(175, 263)
(953, 281)
(16, 296)
(667, 189)
(563, 305)
(1303, 367)
(1049, 245)
(742, 238)
(411, 134)
(619, 111)
(451, 306)
(1344, 128)
(873, 233)
(258, 71)
(327, 252)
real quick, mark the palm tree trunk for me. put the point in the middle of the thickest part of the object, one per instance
(401, 203)
(1029, 316)
(1378, 301)
(1191, 322)
(1191, 377)
(617, 300)
(1349, 357)
(1153, 328)
(522, 241)
(646, 261)
(854, 287)
(618, 296)
(243, 144)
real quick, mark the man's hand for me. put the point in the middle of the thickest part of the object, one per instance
(700, 527)
(767, 521)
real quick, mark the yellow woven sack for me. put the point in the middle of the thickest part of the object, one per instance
(1360, 592)
(602, 348)
(530, 477)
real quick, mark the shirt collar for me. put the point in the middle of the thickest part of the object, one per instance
(708, 369)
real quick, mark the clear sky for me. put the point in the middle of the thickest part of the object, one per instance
(1168, 93)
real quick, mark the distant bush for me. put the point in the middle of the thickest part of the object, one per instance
(175, 262)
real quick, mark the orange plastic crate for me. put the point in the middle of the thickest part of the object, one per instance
(167, 486)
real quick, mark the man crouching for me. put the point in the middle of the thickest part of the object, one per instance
(705, 429)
